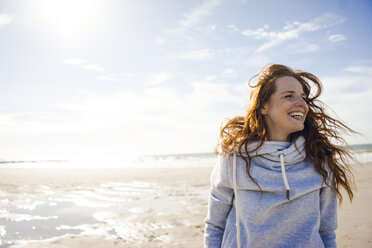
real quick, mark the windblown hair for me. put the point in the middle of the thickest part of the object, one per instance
(319, 129)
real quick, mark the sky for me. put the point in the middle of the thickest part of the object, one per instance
(94, 78)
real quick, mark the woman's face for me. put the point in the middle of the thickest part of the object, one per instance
(286, 110)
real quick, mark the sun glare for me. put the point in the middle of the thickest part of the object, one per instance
(70, 19)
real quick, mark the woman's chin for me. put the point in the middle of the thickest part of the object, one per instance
(297, 128)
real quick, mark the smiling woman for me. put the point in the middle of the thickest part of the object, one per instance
(281, 190)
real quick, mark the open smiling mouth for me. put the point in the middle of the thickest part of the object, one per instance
(299, 116)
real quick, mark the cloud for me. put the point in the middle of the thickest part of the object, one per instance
(160, 119)
(336, 37)
(73, 61)
(80, 62)
(6, 19)
(292, 31)
(348, 95)
(157, 119)
(303, 47)
(207, 94)
(108, 77)
(189, 20)
(160, 40)
(207, 28)
(199, 54)
(364, 70)
(93, 67)
(233, 27)
(194, 17)
(210, 78)
(159, 78)
(245, 55)
(230, 73)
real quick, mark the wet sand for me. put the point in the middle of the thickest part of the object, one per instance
(132, 208)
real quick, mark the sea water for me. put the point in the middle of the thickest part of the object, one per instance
(362, 152)
(191, 160)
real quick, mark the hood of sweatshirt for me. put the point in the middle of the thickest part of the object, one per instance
(277, 156)
(268, 155)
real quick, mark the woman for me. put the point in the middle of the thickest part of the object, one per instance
(278, 175)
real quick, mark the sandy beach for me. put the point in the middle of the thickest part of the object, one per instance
(132, 208)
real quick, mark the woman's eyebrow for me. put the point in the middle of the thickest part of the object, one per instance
(292, 92)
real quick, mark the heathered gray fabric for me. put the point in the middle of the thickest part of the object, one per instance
(269, 220)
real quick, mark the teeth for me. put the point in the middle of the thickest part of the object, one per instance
(296, 114)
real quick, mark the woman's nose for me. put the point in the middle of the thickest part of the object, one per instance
(301, 101)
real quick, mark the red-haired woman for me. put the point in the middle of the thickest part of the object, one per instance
(279, 174)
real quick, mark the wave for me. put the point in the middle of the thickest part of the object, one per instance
(363, 154)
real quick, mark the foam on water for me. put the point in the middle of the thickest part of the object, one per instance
(5, 215)
(110, 210)
(364, 157)
(2, 231)
(146, 161)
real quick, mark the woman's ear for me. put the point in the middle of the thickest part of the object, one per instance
(264, 110)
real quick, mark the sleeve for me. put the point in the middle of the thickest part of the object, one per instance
(219, 204)
(328, 216)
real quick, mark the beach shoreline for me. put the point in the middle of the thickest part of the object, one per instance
(142, 207)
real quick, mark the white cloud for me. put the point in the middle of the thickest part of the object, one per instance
(207, 28)
(73, 61)
(210, 78)
(199, 54)
(80, 62)
(160, 40)
(155, 120)
(159, 78)
(233, 27)
(128, 74)
(336, 37)
(238, 56)
(349, 96)
(6, 19)
(364, 70)
(159, 119)
(230, 73)
(212, 27)
(208, 94)
(190, 20)
(292, 31)
(108, 77)
(303, 47)
(93, 67)
(197, 14)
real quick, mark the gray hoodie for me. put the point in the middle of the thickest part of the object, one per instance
(307, 219)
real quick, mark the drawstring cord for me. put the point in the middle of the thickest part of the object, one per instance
(237, 198)
(284, 176)
(236, 203)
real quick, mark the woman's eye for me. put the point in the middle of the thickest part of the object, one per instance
(288, 96)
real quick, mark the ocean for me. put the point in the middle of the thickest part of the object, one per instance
(363, 154)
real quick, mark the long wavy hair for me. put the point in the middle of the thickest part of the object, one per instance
(321, 131)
